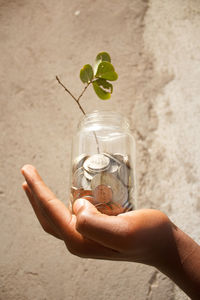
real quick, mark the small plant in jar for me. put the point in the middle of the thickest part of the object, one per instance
(103, 164)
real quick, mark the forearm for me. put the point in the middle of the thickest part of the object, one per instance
(183, 263)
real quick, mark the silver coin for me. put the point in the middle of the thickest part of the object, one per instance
(77, 177)
(127, 161)
(78, 162)
(85, 183)
(120, 193)
(122, 158)
(113, 158)
(113, 168)
(74, 189)
(123, 174)
(96, 163)
(119, 157)
(88, 175)
(128, 206)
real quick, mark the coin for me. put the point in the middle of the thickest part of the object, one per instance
(120, 193)
(113, 168)
(88, 175)
(112, 157)
(117, 160)
(79, 193)
(85, 183)
(103, 193)
(123, 173)
(111, 209)
(78, 162)
(128, 206)
(85, 193)
(119, 157)
(96, 163)
(127, 161)
(91, 199)
(77, 178)
(76, 192)
(117, 208)
(123, 159)
(105, 180)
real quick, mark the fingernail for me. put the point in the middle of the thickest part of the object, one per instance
(78, 204)
(24, 169)
(29, 171)
(24, 184)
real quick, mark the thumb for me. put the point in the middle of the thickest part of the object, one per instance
(101, 228)
(83, 204)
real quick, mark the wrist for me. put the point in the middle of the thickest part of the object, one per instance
(181, 262)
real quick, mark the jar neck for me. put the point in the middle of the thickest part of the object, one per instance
(104, 118)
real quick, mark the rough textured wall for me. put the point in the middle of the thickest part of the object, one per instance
(155, 47)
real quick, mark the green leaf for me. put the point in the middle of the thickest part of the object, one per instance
(106, 70)
(101, 89)
(102, 56)
(105, 85)
(86, 74)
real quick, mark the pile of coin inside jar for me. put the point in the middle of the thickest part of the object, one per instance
(105, 180)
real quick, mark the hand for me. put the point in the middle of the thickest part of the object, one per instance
(146, 236)
(140, 236)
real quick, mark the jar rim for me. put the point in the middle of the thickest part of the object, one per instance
(101, 115)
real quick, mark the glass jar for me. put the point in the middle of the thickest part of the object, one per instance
(103, 163)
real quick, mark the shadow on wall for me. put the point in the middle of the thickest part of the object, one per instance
(141, 86)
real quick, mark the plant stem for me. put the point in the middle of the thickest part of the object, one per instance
(77, 101)
(83, 91)
(97, 142)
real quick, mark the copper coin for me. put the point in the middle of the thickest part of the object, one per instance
(76, 192)
(90, 198)
(103, 193)
(85, 193)
(110, 209)
(79, 193)
(120, 192)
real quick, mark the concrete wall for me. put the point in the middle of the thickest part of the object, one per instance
(155, 46)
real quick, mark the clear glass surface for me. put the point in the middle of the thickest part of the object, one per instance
(103, 163)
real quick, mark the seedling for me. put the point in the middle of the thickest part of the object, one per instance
(98, 76)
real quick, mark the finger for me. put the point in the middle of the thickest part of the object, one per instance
(63, 220)
(52, 207)
(109, 231)
(41, 218)
(81, 246)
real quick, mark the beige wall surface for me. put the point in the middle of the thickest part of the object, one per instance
(155, 47)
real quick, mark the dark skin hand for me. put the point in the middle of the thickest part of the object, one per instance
(145, 236)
